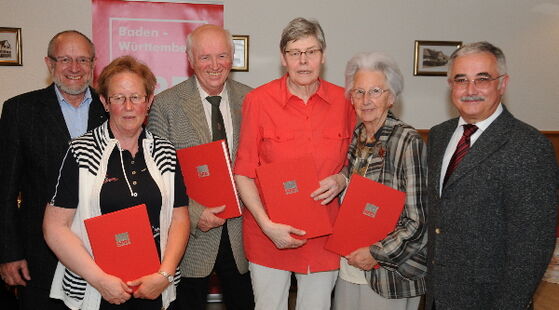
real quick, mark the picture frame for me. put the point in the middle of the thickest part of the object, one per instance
(240, 59)
(10, 47)
(431, 57)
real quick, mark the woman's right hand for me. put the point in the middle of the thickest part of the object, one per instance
(280, 234)
(113, 289)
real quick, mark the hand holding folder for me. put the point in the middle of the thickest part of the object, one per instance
(122, 243)
(285, 189)
(369, 212)
(207, 173)
(285, 236)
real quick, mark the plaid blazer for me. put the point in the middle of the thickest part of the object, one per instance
(178, 115)
(398, 159)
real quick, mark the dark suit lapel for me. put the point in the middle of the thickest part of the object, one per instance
(97, 114)
(490, 141)
(194, 110)
(53, 114)
(235, 104)
(439, 141)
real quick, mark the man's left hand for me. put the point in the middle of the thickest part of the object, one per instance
(209, 220)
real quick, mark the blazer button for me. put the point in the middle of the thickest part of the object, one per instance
(437, 231)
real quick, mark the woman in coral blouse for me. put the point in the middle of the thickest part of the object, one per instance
(294, 116)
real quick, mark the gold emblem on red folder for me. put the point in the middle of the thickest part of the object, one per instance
(122, 239)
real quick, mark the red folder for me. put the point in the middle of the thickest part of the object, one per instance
(122, 243)
(207, 173)
(369, 212)
(285, 189)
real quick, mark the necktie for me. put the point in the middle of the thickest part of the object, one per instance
(218, 127)
(218, 133)
(461, 150)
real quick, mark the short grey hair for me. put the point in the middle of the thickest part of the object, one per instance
(190, 41)
(300, 28)
(52, 42)
(480, 47)
(375, 61)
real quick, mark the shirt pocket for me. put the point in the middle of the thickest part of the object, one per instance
(277, 145)
(335, 143)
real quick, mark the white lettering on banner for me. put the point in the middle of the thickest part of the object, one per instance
(140, 32)
(150, 47)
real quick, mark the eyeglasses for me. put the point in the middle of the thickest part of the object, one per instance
(65, 60)
(376, 92)
(121, 99)
(313, 52)
(480, 82)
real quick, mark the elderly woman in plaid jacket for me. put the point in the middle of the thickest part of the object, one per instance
(389, 274)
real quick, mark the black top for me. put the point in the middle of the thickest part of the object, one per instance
(115, 194)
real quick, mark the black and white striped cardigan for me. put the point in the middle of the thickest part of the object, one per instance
(92, 151)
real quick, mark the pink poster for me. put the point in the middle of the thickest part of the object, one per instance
(153, 32)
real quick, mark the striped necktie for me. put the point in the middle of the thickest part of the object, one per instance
(461, 150)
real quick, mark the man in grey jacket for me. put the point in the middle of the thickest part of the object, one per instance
(492, 186)
(183, 114)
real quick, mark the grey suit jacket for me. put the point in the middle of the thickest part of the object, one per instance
(492, 230)
(178, 115)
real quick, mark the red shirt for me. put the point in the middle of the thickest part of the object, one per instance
(278, 126)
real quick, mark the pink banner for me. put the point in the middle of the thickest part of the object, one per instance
(153, 32)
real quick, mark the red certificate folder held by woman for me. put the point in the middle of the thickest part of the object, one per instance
(369, 212)
(285, 189)
(208, 177)
(122, 243)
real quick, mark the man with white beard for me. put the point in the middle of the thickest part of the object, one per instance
(35, 130)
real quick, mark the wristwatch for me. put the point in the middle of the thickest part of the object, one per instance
(167, 276)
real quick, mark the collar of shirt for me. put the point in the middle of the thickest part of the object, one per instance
(288, 96)
(62, 101)
(204, 94)
(480, 125)
(76, 118)
(141, 138)
(453, 143)
(223, 107)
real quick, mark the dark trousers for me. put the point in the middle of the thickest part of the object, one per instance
(192, 293)
(32, 298)
(133, 304)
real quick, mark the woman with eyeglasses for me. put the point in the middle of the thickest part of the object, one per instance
(388, 274)
(115, 166)
(295, 116)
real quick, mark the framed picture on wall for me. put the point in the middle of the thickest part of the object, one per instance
(431, 57)
(240, 60)
(10, 47)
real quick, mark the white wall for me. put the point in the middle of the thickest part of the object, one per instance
(39, 21)
(527, 31)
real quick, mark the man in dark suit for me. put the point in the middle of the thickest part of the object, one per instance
(183, 114)
(492, 194)
(35, 130)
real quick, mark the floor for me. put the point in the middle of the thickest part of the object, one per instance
(220, 306)
(547, 296)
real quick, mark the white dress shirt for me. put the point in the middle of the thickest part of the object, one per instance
(458, 132)
(225, 111)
